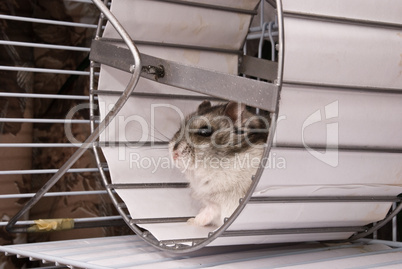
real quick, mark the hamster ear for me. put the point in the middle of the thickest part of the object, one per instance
(234, 110)
(204, 105)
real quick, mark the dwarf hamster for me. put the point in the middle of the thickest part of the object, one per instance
(219, 149)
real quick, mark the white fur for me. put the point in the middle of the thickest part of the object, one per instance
(218, 184)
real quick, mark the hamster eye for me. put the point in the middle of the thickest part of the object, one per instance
(239, 131)
(205, 131)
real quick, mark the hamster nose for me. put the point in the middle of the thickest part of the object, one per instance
(175, 155)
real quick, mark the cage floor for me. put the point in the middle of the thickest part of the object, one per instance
(132, 252)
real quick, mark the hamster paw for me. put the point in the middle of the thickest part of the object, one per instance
(197, 222)
(202, 219)
(191, 221)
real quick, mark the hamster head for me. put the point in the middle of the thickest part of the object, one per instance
(216, 133)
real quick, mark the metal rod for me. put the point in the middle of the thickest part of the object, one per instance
(39, 145)
(53, 22)
(323, 199)
(262, 14)
(344, 20)
(161, 95)
(375, 233)
(43, 70)
(88, 223)
(47, 171)
(121, 205)
(341, 148)
(25, 120)
(167, 185)
(346, 88)
(213, 7)
(52, 194)
(132, 143)
(80, 1)
(44, 96)
(221, 85)
(254, 36)
(173, 45)
(261, 41)
(232, 233)
(394, 225)
(45, 46)
(160, 220)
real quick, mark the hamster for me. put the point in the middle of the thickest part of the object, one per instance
(219, 149)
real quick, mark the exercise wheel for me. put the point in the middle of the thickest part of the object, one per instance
(332, 164)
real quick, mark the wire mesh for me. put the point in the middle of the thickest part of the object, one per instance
(265, 31)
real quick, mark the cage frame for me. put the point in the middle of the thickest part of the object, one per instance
(197, 243)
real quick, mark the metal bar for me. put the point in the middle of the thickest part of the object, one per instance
(111, 55)
(255, 29)
(39, 145)
(344, 20)
(172, 45)
(265, 25)
(121, 205)
(44, 70)
(342, 149)
(56, 266)
(250, 92)
(323, 199)
(135, 144)
(45, 46)
(346, 88)
(161, 95)
(259, 68)
(77, 220)
(25, 120)
(394, 225)
(52, 194)
(213, 7)
(80, 1)
(253, 36)
(281, 44)
(53, 22)
(47, 171)
(44, 96)
(262, 13)
(160, 220)
(375, 233)
(232, 233)
(167, 185)
(99, 223)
